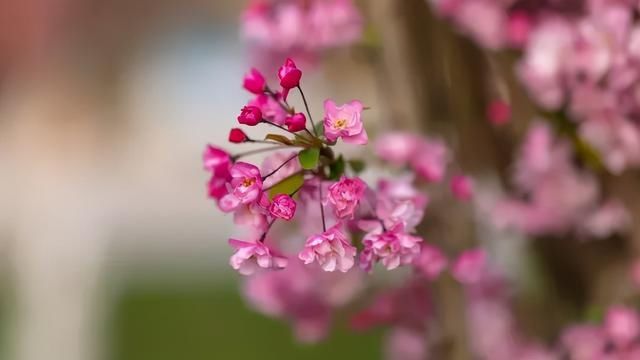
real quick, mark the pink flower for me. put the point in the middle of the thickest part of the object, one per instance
(406, 344)
(217, 187)
(622, 325)
(392, 247)
(254, 82)
(305, 296)
(408, 305)
(254, 214)
(249, 257)
(584, 341)
(431, 163)
(246, 186)
(302, 28)
(296, 122)
(462, 187)
(366, 259)
(283, 207)
(330, 249)
(237, 136)
(345, 122)
(345, 196)
(545, 56)
(271, 110)
(398, 148)
(250, 115)
(606, 220)
(216, 160)
(484, 21)
(334, 23)
(519, 26)
(470, 266)
(399, 202)
(431, 261)
(289, 75)
(617, 139)
(499, 112)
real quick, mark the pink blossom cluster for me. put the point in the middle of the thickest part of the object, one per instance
(495, 332)
(493, 329)
(347, 225)
(301, 27)
(578, 57)
(618, 337)
(553, 195)
(305, 296)
(304, 181)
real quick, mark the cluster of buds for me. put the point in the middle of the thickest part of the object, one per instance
(304, 180)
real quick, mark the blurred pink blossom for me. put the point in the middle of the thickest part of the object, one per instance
(249, 257)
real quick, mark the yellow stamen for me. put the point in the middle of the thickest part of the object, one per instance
(340, 124)
(248, 182)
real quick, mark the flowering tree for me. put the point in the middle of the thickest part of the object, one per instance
(564, 176)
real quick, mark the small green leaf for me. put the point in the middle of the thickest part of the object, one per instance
(319, 128)
(336, 169)
(279, 138)
(287, 185)
(309, 158)
(357, 165)
(588, 154)
(594, 314)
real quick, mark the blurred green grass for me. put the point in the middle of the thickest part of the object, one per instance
(168, 322)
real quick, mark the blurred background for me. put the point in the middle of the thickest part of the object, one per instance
(109, 248)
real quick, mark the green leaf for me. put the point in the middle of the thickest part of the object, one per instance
(320, 128)
(357, 165)
(336, 169)
(279, 138)
(309, 158)
(594, 314)
(287, 186)
(588, 154)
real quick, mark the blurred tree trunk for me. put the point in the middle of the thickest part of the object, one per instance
(437, 82)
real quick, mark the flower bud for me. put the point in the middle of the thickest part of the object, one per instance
(237, 136)
(250, 115)
(254, 82)
(296, 122)
(289, 75)
(499, 112)
(283, 207)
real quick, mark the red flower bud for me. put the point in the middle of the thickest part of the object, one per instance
(250, 115)
(254, 82)
(499, 112)
(237, 136)
(296, 122)
(289, 75)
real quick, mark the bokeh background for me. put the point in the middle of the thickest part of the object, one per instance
(109, 248)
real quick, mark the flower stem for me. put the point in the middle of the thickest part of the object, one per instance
(296, 190)
(257, 151)
(278, 126)
(324, 223)
(262, 142)
(275, 97)
(279, 167)
(264, 234)
(306, 106)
